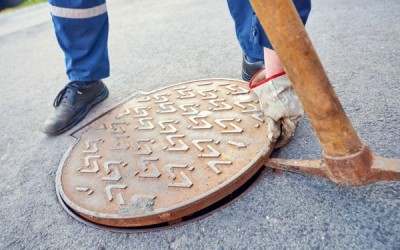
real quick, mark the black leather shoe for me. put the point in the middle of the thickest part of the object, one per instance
(249, 69)
(72, 104)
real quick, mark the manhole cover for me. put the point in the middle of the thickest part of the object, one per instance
(164, 155)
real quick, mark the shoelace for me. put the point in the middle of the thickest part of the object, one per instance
(61, 94)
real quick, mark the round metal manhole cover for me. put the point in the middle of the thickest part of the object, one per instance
(160, 156)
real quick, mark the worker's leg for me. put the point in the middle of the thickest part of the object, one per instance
(253, 39)
(249, 31)
(81, 28)
(245, 26)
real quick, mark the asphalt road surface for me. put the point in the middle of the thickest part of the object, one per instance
(157, 43)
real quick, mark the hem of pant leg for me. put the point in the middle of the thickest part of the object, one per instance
(87, 79)
(250, 52)
(254, 56)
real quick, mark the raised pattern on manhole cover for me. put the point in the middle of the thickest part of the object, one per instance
(164, 155)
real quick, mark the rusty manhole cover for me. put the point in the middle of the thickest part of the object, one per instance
(160, 156)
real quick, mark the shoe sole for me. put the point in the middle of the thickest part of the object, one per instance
(101, 97)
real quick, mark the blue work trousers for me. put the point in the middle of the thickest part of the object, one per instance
(81, 28)
(249, 31)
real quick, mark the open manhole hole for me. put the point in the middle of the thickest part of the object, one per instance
(165, 156)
